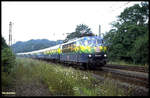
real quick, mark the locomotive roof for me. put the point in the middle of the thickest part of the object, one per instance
(84, 38)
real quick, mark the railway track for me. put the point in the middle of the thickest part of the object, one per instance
(136, 80)
(130, 68)
(134, 89)
(132, 74)
(127, 76)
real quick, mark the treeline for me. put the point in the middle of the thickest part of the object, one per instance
(128, 39)
(32, 45)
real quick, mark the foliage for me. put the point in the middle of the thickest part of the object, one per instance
(8, 57)
(4, 45)
(81, 30)
(7, 79)
(7, 64)
(83, 27)
(140, 50)
(128, 39)
(113, 88)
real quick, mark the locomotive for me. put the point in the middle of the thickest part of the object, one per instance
(88, 52)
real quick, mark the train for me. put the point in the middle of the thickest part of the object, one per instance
(87, 51)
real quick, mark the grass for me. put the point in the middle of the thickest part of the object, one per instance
(63, 81)
(6, 80)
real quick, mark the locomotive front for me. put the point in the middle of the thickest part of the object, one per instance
(98, 57)
(94, 48)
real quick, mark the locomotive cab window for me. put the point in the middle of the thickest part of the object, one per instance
(99, 42)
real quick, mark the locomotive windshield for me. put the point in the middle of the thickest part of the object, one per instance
(92, 42)
(98, 42)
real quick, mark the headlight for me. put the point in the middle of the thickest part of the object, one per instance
(90, 55)
(105, 55)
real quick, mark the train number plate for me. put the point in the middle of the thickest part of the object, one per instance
(97, 55)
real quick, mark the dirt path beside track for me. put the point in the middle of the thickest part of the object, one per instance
(32, 88)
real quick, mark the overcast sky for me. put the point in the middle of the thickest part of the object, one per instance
(52, 20)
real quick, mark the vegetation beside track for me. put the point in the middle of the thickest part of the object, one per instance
(63, 81)
(123, 63)
(7, 64)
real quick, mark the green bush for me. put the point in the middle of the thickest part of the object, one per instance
(8, 59)
(7, 80)
(7, 64)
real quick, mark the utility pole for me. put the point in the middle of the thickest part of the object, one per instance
(10, 33)
(100, 30)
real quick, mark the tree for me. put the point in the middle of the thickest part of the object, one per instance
(128, 38)
(4, 45)
(82, 28)
(8, 57)
(80, 31)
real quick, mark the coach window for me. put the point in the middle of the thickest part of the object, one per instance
(69, 47)
(86, 42)
(73, 46)
(77, 43)
(63, 48)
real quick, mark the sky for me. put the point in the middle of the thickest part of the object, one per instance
(53, 20)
